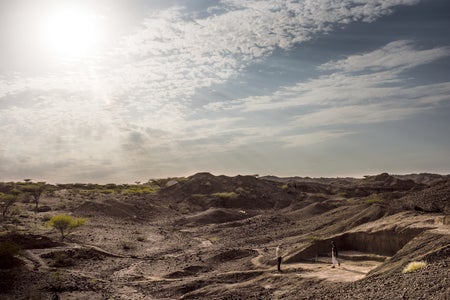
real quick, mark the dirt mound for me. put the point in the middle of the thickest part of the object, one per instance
(311, 210)
(387, 183)
(425, 178)
(214, 216)
(108, 207)
(204, 190)
(432, 199)
(309, 187)
(379, 184)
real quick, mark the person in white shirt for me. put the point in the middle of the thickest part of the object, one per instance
(334, 255)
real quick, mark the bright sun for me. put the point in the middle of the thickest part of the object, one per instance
(71, 32)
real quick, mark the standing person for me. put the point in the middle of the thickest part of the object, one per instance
(279, 254)
(334, 255)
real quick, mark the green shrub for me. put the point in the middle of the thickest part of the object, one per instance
(414, 266)
(65, 223)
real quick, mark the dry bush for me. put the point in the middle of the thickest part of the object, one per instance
(414, 266)
(226, 195)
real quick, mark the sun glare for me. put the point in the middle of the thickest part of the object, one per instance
(70, 32)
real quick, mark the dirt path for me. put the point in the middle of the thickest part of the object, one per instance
(349, 270)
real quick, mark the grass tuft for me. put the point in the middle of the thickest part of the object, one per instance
(226, 195)
(414, 266)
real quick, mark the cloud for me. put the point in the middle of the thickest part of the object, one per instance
(366, 78)
(175, 53)
(365, 88)
(356, 114)
(397, 56)
(307, 139)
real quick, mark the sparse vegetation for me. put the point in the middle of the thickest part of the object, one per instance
(213, 239)
(226, 195)
(414, 266)
(374, 200)
(314, 239)
(35, 190)
(199, 195)
(139, 189)
(65, 223)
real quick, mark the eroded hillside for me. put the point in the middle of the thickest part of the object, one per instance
(214, 237)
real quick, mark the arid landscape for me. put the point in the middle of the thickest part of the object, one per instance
(214, 237)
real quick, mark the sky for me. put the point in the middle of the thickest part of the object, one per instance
(128, 90)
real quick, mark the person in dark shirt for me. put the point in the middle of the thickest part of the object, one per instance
(279, 255)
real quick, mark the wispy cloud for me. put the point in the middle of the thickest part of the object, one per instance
(307, 139)
(175, 54)
(358, 79)
(397, 56)
(360, 89)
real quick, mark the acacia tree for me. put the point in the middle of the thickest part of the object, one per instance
(65, 223)
(6, 201)
(35, 190)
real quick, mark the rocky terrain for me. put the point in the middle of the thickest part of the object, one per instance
(214, 237)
